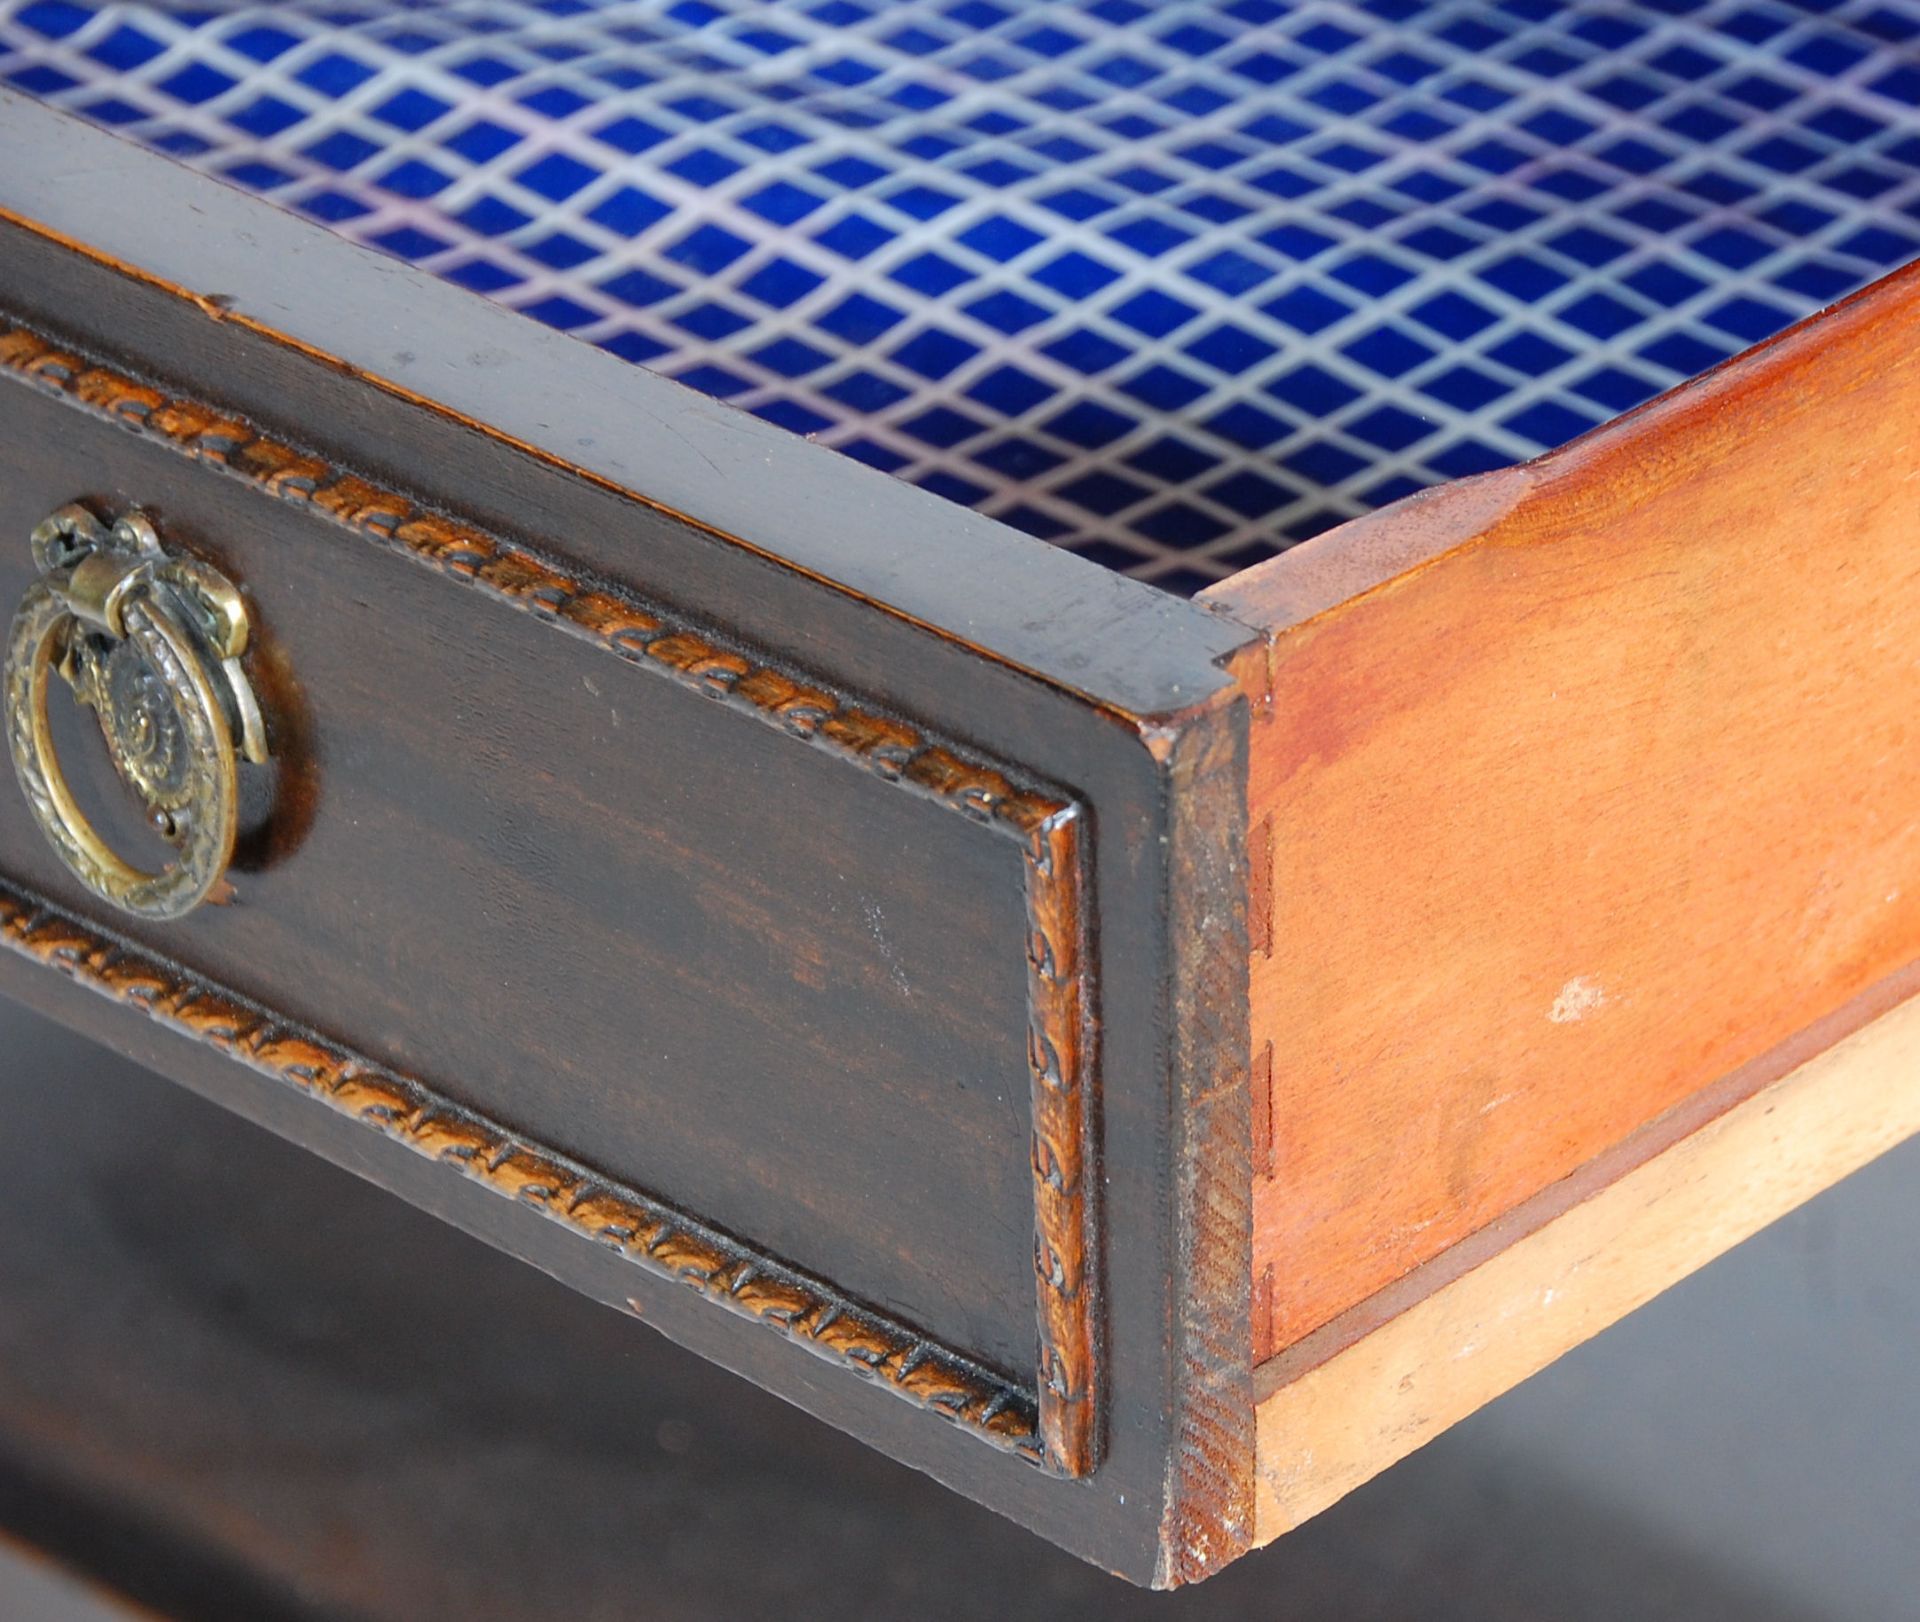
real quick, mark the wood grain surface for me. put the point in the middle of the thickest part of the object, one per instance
(1059, 1001)
(342, 1408)
(1576, 787)
(629, 918)
(1324, 1433)
(553, 884)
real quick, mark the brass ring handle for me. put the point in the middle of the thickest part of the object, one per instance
(151, 642)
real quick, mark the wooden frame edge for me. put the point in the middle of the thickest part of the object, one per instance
(1210, 1475)
(1385, 547)
(1344, 1420)
(1118, 644)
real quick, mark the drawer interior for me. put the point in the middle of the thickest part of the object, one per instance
(1174, 286)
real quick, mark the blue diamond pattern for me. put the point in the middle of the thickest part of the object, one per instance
(1173, 284)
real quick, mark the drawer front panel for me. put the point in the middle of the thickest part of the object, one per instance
(701, 925)
(880, 972)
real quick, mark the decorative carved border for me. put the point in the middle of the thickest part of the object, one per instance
(645, 1231)
(1059, 1043)
(1056, 1061)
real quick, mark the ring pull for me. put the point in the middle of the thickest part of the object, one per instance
(151, 642)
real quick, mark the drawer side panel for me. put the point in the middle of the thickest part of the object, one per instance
(1574, 789)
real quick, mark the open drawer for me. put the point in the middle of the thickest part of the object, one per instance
(1149, 1062)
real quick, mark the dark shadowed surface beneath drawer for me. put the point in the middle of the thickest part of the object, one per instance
(239, 1383)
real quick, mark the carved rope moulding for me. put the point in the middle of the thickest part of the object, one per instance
(1056, 1424)
(649, 1234)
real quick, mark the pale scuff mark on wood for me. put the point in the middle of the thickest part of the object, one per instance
(1578, 998)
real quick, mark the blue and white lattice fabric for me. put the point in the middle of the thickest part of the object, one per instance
(1171, 284)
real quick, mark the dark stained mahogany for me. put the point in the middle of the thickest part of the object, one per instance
(621, 741)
